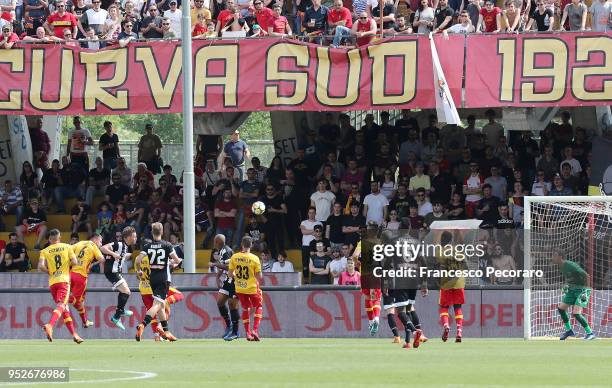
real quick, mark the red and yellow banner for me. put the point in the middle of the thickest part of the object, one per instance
(567, 69)
(242, 75)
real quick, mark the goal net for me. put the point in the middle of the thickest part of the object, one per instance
(582, 228)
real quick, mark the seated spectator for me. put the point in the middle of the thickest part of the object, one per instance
(135, 210)
(422, 202)
(116, 192)
(119, 219)
(340, 22)
(569, 179)
(278, 24)
(28, 181)
(315, 21)
(34, 221)
(516, 203)
(307, 228)
(472, 189)
(337, 265)
(319, 264)
(490, 18)
(487, 208)
(105, 220)
(73, 180)
(11, 200)
(14, 255)
(200, 29)
(80, 217)
(416, 222)
(99, 179)
(559, 187)
(74, 238)
(393, 222)
(165, 190)
(178, 246)
(498, 184)
(542, 16)
(464, 26)
(375, 205)
(350, 277)
(41, 37)
(436, 215)
(124, 172)
(456, 208)
(282, 264)
(266, 260)
(255, 230)
(225, 213)
(400, 27)
(143, 176)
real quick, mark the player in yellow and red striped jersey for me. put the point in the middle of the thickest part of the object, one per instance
(372, 296)
(56, 260)
(87, 253)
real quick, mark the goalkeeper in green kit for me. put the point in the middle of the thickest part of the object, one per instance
(576, 294)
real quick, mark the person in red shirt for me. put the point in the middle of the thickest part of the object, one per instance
(340, 22)
(224, 16)
(262, 14)
(490, 15)
(8, 37)
(365, 29)
(225, 213)
(200, 30)
(277, 24)
(61, 20)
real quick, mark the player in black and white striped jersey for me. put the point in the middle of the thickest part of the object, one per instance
(115, 253)
(227, 291)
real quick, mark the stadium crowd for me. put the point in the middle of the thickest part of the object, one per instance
(98, 23)
(392, 176)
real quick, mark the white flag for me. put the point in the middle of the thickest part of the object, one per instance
(445, 106)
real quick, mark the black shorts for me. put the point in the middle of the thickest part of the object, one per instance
(159, 286)
(115, 278)
(399, 298)
(228, 288)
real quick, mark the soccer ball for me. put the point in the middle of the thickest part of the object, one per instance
(258, 208)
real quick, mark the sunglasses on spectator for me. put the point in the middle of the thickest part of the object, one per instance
(61, 6)
(153, 9)
(68, 34)
(165, 24)
(6, 30)
(363, 18)
(258, 3)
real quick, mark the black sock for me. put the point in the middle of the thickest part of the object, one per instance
(235, 320)
(224, 314)
(392, 324)
(408, 325)
(147, 319)
(164, 325)
(415, 319)
(121, 302)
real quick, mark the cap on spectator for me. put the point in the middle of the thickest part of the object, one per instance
(256, 27)
(318, 227)
(236, 132)
(173, 1)
(142, 164)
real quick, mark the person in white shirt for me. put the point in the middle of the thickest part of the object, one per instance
(174, 15)
(375, 205)
(337, 265)
(464, 26)
(307, 229)
(266, 260)
(425, 207)
(540, 186)
(568, 152)
(282, 264)
(493, 130)
(323, 200)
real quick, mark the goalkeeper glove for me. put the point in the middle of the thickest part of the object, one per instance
(565, 289)
(583, 297)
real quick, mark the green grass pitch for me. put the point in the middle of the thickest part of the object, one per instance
(319, 362)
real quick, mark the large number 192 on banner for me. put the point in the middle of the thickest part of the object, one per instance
(539, 70)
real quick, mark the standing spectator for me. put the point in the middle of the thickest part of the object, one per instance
(315, 21)
(464, 26)
(388, 18)
(79, 141)
(50, 180)
(273, 219)
(419, 180)
(492, 130)
(322, 200)
(319, 264)
(11, 200)
(443, 16)
(41, 144)
(72, 185)
(576, 13)
(436, 215)
(14, 256)
(423, 205)
(400, 202)
(442, 184)
(149, 150)
(167, 32)
(487, 208)
(424, 18)
(174, 16)
(601, 16)
(279, 25)
(99, 179)
(105, 221)
(543, 17)
(80, 217)
(375, 205)
(60, 20)
(498, 184)
(350, 277)
(540, 187)
(95, 17)
(238, 151)
(333, 226)
(151, 25)
(28, 181)
(456, 208)
(472, 188)
(262, 14)
(282, 264)
(568, 153)
(225, 213)
(490, 18)
(249, 192)
(34, 221)
(260, 171)
(337, 265)
(351, 225)
(128, 34)
(548, 163)
(307, 228)
(135, 211)
(109, 145)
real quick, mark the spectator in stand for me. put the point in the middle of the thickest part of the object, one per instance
(91, 41)
(424, 18)
(151, 25)
(273, 218)
(278, 24)
(60, 20)
(109, 145)
(456, 208)
(416, 222)
(266, 260)
(200, 29)
(543, 17)
(576, 13)
(364, 29)
(503, 219)
(249, 192)
(238, 151)
(350, 277)
(72, 185)
(143, 175)
(198, 9)
(99, 179)
(167, 32)
(262, 14)
(135, 211)
(174, 15)
(393, 222)
(255, 230)
(149, 150)
(28, 182)
(437, 214)
(35, 13)
(351, 225)
(50, 180)
(516, 203)
(511, 17)
(307, 228)
(144, 190)
(319, 264)
(95, 17)
(443, 16)
(80, 217)
(424, 206)
(464, 26)
(569, 180)
(260, 171)
(14, 255)
(333, 226)
(340, 22)
(548, 163)
(124, 172)
(11, 200)
(442, 184)
(105, 221)
(490, 19)
(224, 16)
(323, 200)
(601, 19)
(34, 221)
(411, 145)
(540, 187)
(400, 27)
(388, 19)
(498, 184)
(353, 175)
(225, 213)
(79, 141)
(127, 35)
(40, 36)
(315, 21)
(41, 144)
(419, 180)
(337, 265)
(575, 166)
(472, 188)
(487, 208)
(166, 190)
(282, 264)
(375, 205)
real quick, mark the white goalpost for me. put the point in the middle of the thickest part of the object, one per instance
(581, 226)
